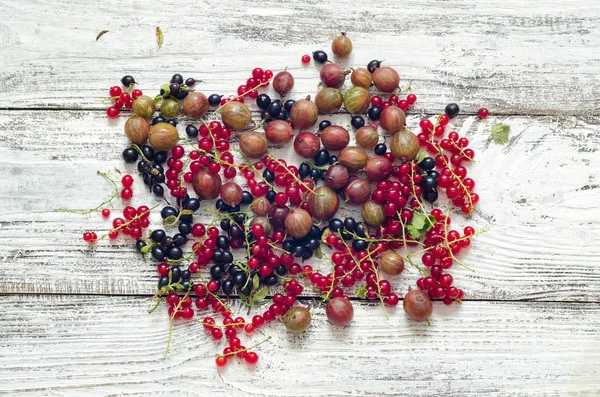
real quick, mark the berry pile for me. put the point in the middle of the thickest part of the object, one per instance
(261, 240)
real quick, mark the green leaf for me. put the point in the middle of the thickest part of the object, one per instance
(319, 253)
(362, 291)
(242, 296)
(170, 220)
(166, 89)
(159, 37)
(430, 222)
(418, 220)
(187, 212)
(413, 231)
(145, 249)
(177, 286)
(260, 294)
(255, 282)
(500, 133)
(420, 157)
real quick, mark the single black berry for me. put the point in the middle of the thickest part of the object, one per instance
(335, 224)
(452, 110)
(263, 101)
(147, 151)
(158, 190)
(322, 157)
(130, 155)
(374, 64)
(177, 79)
(214, 99)
(190, 81)
(247, 197)
(191, 131)
(324, 124)
(127, 80)
(427, 164)
(357, 122)
(158, 235)
(158, 119)
(320, 56)
(160, 157)
(374, 113)
(185, 228)
(275, 108)
(380, 149)
(303, 170)
(287, 106)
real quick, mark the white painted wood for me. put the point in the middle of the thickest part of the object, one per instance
(517, 57)
(109, 346)
(541, 205)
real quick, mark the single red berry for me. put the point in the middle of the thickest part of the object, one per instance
(221, 361)
(106, 212)
(251, 358)
(411, 98)
(126, 193)
(127, 180)
(305, 58)
(112, 112)
(258, 73)
(115, 91)
(482, 113)
(376, 100)
(87, 237)
(136, 93)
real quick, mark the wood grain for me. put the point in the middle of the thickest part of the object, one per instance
(109, 346)
(517, 58)
(541, 207)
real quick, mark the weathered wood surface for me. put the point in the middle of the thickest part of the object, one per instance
(110, 346)
(517, 57)
(541, 207)
(533, 64)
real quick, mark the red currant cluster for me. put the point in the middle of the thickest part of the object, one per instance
(259, 77)
(393, 99)
(121, 99)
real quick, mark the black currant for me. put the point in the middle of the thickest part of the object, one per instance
(452, 110)
(360, 245)
(163, 282)
(430, 195)
(191, 131)
(139, 244)
(380, 149)
(175, 252)
(349, 224)
(433, 173)
(130, 155)
(158, 119)
(190, 81)
(158, 253)
(271, 196)
(357, 122)
(127, 80)
(268, 175)
(275, 108)
(168, 211)
(174, 88)
(214, 99)
(335, 224)
(247, 197)
(427, 164)
(185, 228)
(271, 280)
(320, 56)
(222, 242)
(322, 157)
(282, 116)
(177, 79)
(288, 105)
(160, 157)
(147, 151)
(315, 174)
(192, 204)
(158, 235)
(179, 238)
(428, 182)
(374, 64)
(374, 113)
(324, 124)
(225, 224)
(333, 160)
(228, 286)
(263, 101)
(303, 170)
(158, 190)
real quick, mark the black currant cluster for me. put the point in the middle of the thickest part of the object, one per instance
(306, 246)
(275, 110)
(178, 88)
(348, 228)
(319, 169)
(153, 173)
(429, 181)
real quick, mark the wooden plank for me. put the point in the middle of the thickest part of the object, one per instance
(514, 58)
(90, 346)
(539, 198)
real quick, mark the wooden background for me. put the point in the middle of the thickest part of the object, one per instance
(74, 322)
